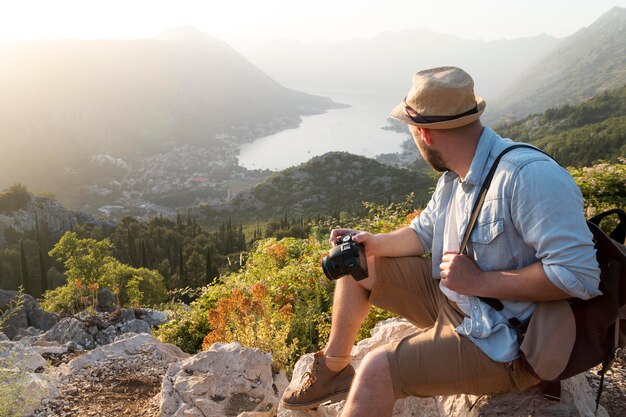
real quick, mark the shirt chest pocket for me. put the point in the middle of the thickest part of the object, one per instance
(489, 246)
(485, 233)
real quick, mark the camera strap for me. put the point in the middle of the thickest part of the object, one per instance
(478, 204)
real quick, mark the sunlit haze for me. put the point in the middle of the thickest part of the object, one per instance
(245, 23)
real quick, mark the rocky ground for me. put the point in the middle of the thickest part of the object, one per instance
(614, 392)
(131, 388)
(113, 388)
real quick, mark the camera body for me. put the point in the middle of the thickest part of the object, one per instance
(346, 258)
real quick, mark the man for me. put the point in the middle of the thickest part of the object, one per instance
(530, 243)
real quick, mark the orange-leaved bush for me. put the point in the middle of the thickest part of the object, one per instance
(253, 319)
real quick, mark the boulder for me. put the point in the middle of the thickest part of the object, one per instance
(23, 392)
(154, 318)
(577, 398)
(70, 329)
(125, 348)
(16, 356)
(136, 326)
(106, 300)
(127, 314)
(38, 318)
(30, 314)
(227, 380)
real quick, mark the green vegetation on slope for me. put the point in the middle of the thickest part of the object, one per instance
(577, 135)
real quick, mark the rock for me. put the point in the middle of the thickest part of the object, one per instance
(154, 318)
(137, 326)
(70, 329)
(226, 380)
(30, 314)
(128, 314)
(29, 331)
(106, 336)
(16, 321)
(39, 318)
(577, 397)
(3, 337)
(126, 348)
(106, 300)
(14, 355)
(25, 391)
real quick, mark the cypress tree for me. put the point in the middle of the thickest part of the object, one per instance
(132, 250)
(208, 267)
(181, 266)
(43, 272)
(24, 275)
(144, 254)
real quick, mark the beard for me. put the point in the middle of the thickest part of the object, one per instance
(431, 156)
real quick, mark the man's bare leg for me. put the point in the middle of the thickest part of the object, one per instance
(331, 375)
(350, 308)
(372, 393)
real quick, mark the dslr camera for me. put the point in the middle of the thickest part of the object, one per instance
(347, 258)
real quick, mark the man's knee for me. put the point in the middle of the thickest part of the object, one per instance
(368, 283)
(375, 368)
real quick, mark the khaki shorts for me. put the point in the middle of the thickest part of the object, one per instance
(437, 360)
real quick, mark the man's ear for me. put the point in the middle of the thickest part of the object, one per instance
(426, 136)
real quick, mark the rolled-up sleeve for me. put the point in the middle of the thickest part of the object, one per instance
(424, 223)
(547, 210)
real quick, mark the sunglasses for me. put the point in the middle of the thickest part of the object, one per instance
(418, 118)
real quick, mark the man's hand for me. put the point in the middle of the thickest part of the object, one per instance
(401, 242)
(459, 273)
(368, 240)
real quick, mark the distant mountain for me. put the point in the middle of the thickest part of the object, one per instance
(64, 102)
(577, 135)
(583, 65)
(387, 62)
(332, 182)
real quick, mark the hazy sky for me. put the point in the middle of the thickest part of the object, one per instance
(244, 22)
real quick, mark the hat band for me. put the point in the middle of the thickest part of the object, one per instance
(418, 118)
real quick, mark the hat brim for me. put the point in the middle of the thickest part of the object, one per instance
(399, 114)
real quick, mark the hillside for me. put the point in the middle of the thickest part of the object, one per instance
(577, 135)
(582, 66)
(326, 184)
(67, 104)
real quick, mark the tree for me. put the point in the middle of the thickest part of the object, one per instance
(195, 265)
(84, 259)
(24, 274)
(43, 272)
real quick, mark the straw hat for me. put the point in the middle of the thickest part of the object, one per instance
(441, 98)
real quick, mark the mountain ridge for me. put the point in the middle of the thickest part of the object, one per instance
(590, 61)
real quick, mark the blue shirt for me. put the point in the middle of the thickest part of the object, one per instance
(533, 212)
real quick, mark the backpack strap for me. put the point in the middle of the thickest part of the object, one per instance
(478, 204)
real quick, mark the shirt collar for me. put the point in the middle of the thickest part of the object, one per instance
(481, 156)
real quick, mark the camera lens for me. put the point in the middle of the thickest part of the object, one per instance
(329, 268)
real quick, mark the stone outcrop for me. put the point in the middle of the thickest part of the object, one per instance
(111, 378)
(22, 378)
(127, 347)
(46, 210)
(91, 330)
(225, 381)
(577, 398)
(30, 315)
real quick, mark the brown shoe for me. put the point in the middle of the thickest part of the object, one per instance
(319, 386)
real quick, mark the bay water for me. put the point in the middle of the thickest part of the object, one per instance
(356, 129)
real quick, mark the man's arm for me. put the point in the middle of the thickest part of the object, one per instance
(460, 274)
(401, 242)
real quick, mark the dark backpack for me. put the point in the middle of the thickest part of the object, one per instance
(598, 338)
(598, 331)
